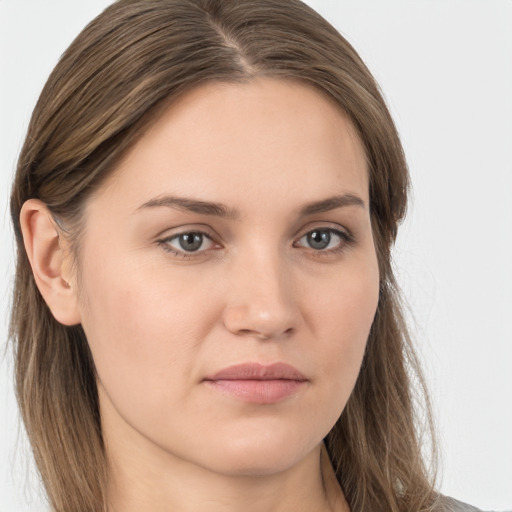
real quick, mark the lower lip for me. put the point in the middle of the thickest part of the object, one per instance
(258, 391)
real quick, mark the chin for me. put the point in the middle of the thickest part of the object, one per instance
(263, 455)
(255, 464)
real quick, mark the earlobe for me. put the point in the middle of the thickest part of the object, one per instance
(49, 261)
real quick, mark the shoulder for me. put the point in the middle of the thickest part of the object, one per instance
(446, 504)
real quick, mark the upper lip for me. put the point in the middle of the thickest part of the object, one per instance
(258, 371)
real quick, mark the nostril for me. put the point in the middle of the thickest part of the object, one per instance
(262, 336)
(249, 332)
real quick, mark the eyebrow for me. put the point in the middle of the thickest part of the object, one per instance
(192, 205)
(332, 203)
(221, 210)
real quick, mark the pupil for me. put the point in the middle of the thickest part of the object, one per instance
(191, 241)
(319, 239)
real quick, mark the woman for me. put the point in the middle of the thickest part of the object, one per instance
(205, 314)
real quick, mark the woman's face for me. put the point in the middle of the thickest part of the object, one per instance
(229, 279)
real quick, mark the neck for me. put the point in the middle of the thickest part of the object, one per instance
(179, 486)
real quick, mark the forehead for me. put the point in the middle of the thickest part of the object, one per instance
(266, 139)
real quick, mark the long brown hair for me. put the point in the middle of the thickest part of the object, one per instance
(124, 68)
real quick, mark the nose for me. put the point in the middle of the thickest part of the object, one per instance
(261, 301)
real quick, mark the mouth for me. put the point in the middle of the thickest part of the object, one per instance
(257, 383)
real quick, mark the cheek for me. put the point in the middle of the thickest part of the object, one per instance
(344, 305)
(141, 330)
(343, 319)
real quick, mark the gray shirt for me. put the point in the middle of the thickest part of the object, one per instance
(451, 505)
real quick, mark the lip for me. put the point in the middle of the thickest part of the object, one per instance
(258, 383)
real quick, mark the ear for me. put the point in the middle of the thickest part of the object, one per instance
(50, 261)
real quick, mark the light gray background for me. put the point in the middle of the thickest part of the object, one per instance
(445, 67)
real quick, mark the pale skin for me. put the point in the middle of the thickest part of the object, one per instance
(281, 269)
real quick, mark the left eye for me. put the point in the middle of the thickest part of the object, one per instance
(322, 239)
(192, 241)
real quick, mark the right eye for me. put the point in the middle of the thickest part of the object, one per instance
(187, 242)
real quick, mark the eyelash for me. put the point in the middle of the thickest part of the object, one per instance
(164, 243)
(346, 240)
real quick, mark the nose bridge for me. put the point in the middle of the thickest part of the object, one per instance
(261, 301)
